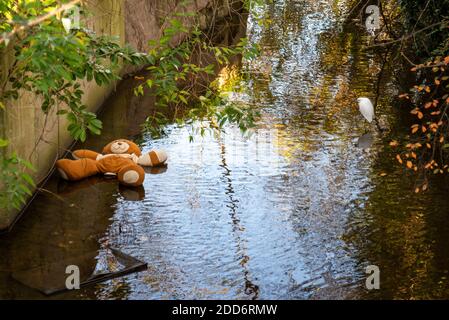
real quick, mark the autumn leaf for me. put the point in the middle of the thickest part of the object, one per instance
(409, 164)
(398, 157)
(394, 143)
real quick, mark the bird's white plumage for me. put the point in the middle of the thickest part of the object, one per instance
(366, 108)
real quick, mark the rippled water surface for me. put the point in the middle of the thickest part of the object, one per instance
(296, 209)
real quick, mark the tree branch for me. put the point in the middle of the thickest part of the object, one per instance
(40, 19)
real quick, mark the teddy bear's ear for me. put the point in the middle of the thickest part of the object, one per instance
(133, 148)
(107, 148)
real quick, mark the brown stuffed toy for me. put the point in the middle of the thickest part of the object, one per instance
(120, 157)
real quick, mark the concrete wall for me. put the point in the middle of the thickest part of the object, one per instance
(42, 139)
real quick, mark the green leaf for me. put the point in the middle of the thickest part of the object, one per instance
(3, 143)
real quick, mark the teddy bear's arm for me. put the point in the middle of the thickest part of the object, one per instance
(83, 154)
(153, 158)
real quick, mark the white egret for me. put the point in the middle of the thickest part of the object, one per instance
(366, 108)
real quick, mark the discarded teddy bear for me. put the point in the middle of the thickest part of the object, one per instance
(121, 157)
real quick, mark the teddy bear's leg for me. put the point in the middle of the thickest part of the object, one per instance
(74, 170)
(82, 153)
(153, 158)
(131, 175)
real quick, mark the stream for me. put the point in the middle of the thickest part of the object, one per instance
(295, 209)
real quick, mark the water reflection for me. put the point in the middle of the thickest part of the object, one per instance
(365, 141)
(296, 209)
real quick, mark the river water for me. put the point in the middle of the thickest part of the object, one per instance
(295, 209)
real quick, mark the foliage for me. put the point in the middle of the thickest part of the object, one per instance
(180, 82)
(427, 149)
(15, 183)
(50, 63)
(421, 14)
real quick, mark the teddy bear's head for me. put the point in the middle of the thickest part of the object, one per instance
(122, 146)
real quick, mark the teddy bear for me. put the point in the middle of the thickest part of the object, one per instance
(121, 157)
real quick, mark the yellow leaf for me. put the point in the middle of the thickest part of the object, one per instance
(394, 143)
(398, 157)
(409, 164)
